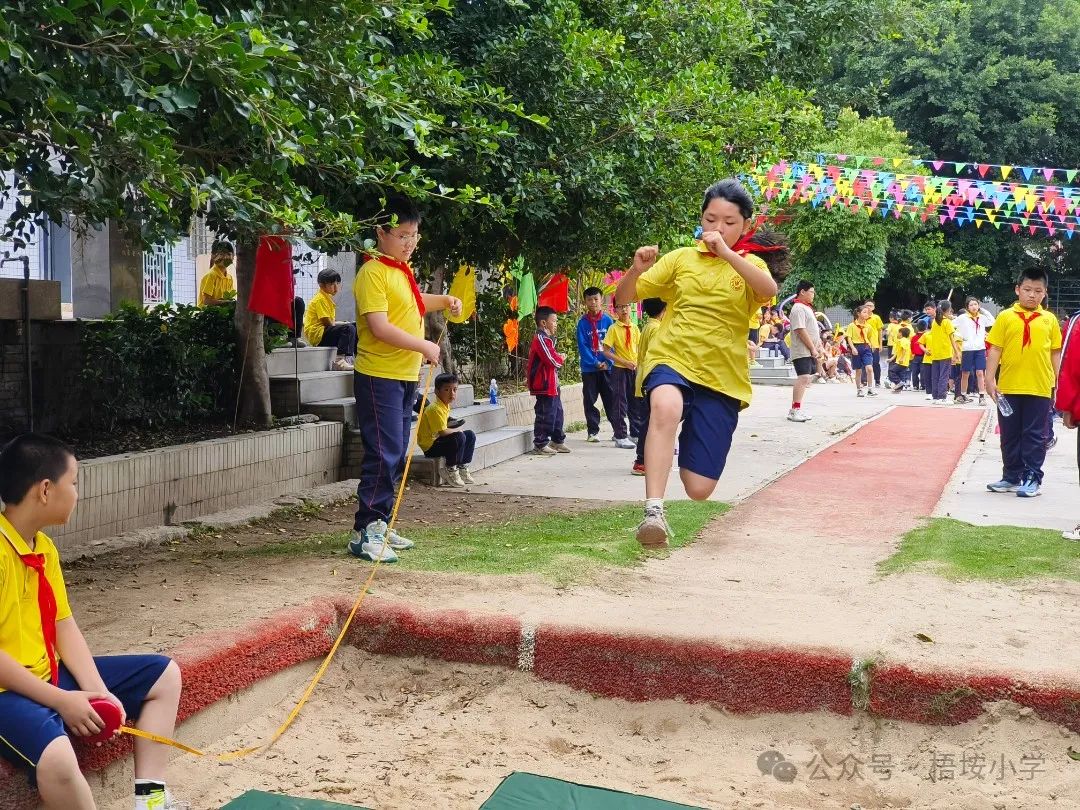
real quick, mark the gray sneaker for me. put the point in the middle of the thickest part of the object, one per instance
(465, 475)
(397, 542)
(559, 447)
(449, 477)
(653, 531)
(625, 444)
(371, 548)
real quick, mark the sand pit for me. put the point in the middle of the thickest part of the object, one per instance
(411, 733)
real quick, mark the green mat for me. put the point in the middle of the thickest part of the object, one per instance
(527, 791)
(257, 800)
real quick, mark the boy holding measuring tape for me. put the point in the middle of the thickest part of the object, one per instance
(49, 680)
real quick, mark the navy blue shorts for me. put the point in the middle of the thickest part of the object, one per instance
(975, 360)
(709, 419)
(28, 728)
(863, 357)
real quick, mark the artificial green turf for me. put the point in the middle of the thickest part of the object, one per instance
(560, 547)
(958, 550)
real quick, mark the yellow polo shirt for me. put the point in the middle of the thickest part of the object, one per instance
(902, 353)
(708, 308)
(434, 421)
(615, 339)
(940, 340)
(381, 288)
(216, 284)
(21, 636)
(647, 334)
(878, 326)
(321, 306)
(1026, 369)
(859, 333)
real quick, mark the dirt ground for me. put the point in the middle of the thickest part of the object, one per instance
(393, 733)
(152, 598)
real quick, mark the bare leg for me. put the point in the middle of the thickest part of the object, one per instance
(665, 413)
(697, 487)
(980, 378)
(158, 716)
(60, 782)
(964, 375)
(802, 382)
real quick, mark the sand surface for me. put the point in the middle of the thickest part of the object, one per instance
(408, 733)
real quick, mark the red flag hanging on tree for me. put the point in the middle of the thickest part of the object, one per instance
(272, 289)
(555, 294)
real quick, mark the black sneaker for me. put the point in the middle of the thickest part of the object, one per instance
(453, 423)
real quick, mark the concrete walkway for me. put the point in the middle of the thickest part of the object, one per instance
(966, 498)
(766, 446)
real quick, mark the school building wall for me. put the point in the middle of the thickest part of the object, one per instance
(171, 485)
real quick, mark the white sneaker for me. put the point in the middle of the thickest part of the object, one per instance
(861, 393)
(798, 416)
(397, 542)
(929, 397)
(653, 531)
(592, 438)
(1073, 535)
(625, 444)
(342, 364)
(465, 475)
(449, 477)
(372, 545)
(870, 392)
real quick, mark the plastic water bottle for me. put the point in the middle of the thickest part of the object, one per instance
(493, 392)
(1004, 408)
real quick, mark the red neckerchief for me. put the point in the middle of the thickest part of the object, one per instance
(862, 332)
(744, 245)
(1027, 327)
(404, 268)
(595, 322)
(626, 326)
(46, 607)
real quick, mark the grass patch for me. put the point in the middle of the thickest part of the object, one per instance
(562, 548)
(957, 550)
(574, 427)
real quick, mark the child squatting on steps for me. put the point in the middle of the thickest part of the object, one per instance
(696, 371)
(438, 440)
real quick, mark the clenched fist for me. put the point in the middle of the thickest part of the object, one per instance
(645, 257)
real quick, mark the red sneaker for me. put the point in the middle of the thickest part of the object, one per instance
(639, 468)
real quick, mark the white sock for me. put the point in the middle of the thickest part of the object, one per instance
(657, 502)
(147, 789)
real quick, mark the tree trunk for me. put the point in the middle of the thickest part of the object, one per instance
(254, 394)
(435, 323)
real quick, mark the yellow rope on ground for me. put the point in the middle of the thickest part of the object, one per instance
(321, 671)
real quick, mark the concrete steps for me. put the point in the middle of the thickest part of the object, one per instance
(493, 446)
(289, 361)
(772, 370)
(300, 382)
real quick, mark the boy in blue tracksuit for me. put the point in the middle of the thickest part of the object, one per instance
(595, 368)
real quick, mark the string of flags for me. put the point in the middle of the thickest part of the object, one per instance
(958, 167)
(920, 195)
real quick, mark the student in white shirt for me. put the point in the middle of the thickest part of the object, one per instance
(972, 326)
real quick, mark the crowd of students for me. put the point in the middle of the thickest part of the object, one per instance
(684, 376)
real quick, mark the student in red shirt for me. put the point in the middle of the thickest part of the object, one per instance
(916, 361)
(542, 374)
(1067, 397)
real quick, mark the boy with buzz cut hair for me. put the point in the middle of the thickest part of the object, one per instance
(542, 375)
(438, 440)
(592, 328)
(1025, 344)
(48, 676)
(621, 350)
(390, 346)
(321, 327)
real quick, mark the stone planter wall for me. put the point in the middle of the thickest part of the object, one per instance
(181, 483)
